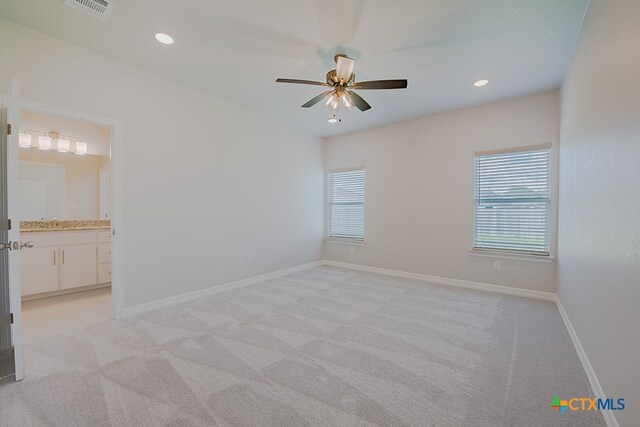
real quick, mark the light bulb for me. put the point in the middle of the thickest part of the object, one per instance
(344, 97)
(44, 142)
(81, 148)
(24, 140)
(164, 38)
(63, 145)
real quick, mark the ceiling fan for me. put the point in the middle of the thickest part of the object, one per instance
(342, 82)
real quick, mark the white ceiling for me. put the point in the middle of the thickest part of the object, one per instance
(236, 49)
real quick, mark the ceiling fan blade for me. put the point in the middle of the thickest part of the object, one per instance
(315, 100)
(301, 82)
(344, 68)
(358, 101)
(381, 84)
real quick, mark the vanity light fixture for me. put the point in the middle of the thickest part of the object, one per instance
(53, 140)
(63, 145)
(81, 148)
(24, 140)
(44, 142)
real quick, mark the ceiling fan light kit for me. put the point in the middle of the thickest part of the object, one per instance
(342, 82)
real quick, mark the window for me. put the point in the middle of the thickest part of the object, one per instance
(346, 205)
(512, 191)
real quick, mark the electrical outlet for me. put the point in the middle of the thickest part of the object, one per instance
(249, 259)
(496, 265)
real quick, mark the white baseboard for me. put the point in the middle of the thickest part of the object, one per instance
(608, 416)
(190, 296)
(547, 296)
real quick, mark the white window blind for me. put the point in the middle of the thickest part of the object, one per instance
(346, 204)
(512, 192)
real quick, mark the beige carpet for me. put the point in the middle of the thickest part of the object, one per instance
(322, 347)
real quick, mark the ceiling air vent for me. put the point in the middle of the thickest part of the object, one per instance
(97, 8)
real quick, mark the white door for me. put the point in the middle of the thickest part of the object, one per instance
(10, 238)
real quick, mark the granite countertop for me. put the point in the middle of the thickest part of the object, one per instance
(64, 225)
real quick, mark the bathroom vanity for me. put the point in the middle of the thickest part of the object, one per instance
(66, 256)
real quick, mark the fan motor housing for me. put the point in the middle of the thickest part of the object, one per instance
(332, 78)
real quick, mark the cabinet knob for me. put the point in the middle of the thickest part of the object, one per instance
(26, 245)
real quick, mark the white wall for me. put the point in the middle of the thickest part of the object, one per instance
(419, 189)
(599, 219)
(205, 182)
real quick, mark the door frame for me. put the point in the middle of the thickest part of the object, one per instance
(18, 104)
(115, 190)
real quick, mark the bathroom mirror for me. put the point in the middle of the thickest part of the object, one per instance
(63, 186)
(64, 168)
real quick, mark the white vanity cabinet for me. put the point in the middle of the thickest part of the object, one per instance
(104, 256)
(78, 266)
(39, 270)
(60, 261)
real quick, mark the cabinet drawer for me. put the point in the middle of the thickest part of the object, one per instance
(59, 238)
(104, 236)
(104, 273)
(104, 252)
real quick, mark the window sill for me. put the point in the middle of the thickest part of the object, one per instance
(515, 256)
(345, 241)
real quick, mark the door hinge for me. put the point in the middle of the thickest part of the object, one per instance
(8, 224)
(11, 318)
(8, 128)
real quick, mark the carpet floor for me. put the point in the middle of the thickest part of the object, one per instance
(325, 346)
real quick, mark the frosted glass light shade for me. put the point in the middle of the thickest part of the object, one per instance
(63, 145)
(81, 148)
(44, 142)
(344, 68)
(24, 140)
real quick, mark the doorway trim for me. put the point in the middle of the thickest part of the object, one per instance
(116, 189)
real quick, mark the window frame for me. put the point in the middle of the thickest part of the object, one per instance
(328, 194)
(551, 229)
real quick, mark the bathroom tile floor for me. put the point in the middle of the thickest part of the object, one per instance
(44, 317)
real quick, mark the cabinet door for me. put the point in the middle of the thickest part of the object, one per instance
(79, 266)
(104, 273)
(39, 267)
(104, 253)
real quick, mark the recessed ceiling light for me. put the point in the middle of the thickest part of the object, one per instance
(332, 120)
(481, 83)
(164, 38)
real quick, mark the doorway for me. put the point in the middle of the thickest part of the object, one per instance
(13, 106)
(65, 216)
